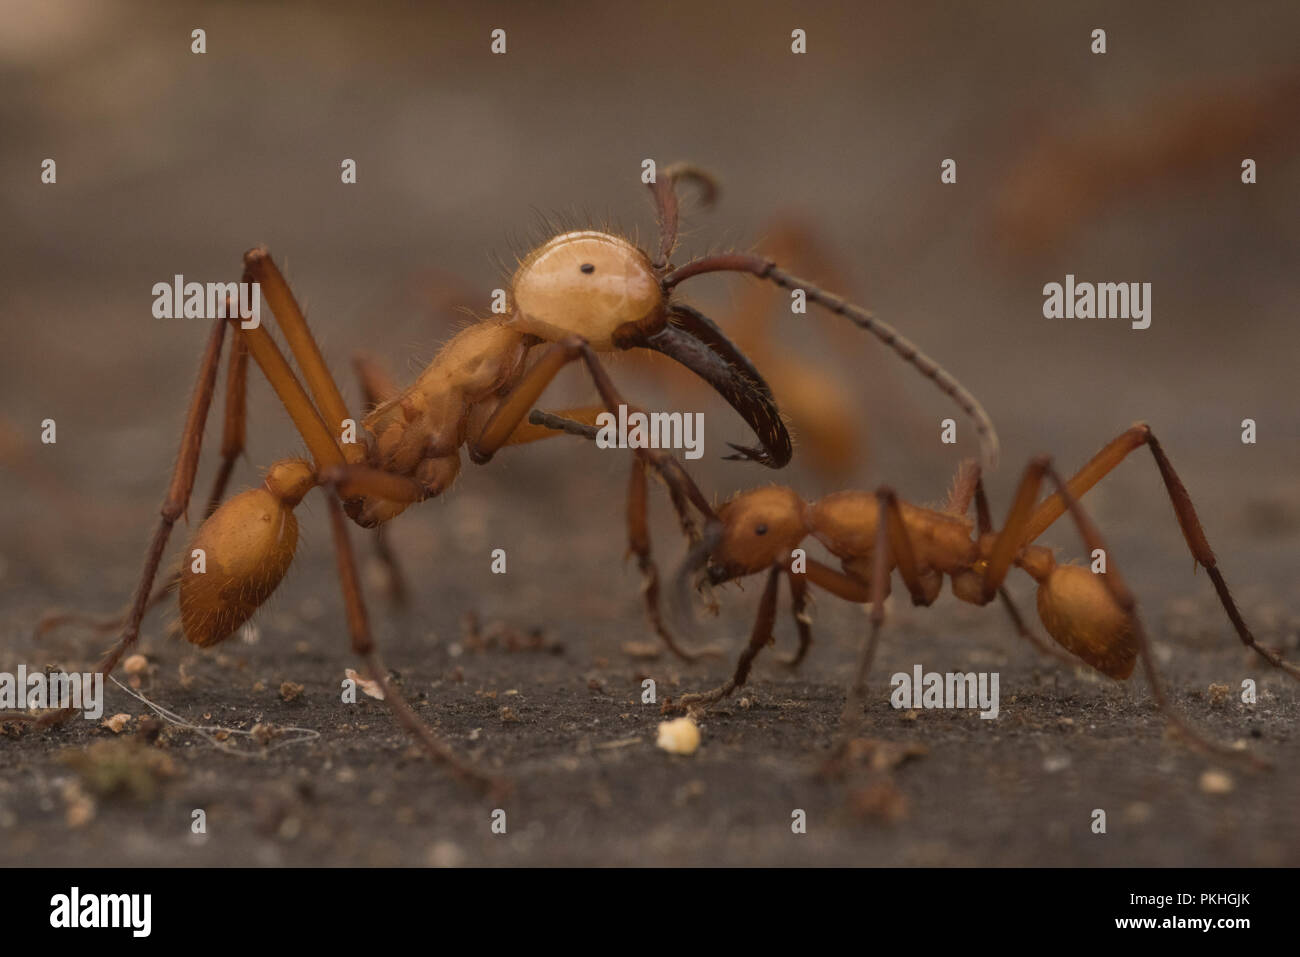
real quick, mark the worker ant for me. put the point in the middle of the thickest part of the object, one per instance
(1093, 616)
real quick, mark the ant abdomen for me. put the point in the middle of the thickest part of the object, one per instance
(1082, 615)
(235, 562)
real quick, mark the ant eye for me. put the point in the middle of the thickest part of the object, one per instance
(760, 529)
(587, 268)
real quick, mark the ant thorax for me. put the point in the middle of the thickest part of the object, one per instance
(847, 524)
(428, 420)
(585, 283)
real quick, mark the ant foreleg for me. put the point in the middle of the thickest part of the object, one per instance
(508, 417)
(758, 638)
(802, 622)
(638, 537)
(638, 531)
(750, 398)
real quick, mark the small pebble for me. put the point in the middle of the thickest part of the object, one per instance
(679, 737)
(1216, 782)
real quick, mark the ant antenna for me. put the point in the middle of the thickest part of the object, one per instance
(766, 269)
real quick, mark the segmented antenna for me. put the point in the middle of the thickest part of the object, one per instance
(766, 269)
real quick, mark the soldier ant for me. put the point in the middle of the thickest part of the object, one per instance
(579, 294)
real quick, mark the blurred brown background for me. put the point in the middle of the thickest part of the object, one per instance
(1122, 167)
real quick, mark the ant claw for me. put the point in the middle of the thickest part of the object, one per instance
(748, 454)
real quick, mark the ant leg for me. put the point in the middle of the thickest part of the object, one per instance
(234, 425)
(984, 520)
(1119, 591)
(638, 537)
(851, 716)
(321, 443)
(1026, 633)
(1101, 465)
(261, 269)
(638, 534)
(1009, 541)
(903, 554)
(802, 623)
(232, 444)
(839, 584)
(395, 581)
(102, 624)
(364, 646)
(355, 481)
(377, 387)
(174, 505)
(749, 398)
(760, 636)
(510, 414)
(670, 471)
(306, 419)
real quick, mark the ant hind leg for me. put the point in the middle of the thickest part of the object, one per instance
(1123, 597)
(364, 646)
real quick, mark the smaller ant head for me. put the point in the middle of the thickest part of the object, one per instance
(759, 528)
(590, 284)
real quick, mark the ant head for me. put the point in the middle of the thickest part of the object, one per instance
(590, 284)
(759, 528)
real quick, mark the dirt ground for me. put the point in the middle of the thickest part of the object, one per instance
(173, 163)
(591, 788)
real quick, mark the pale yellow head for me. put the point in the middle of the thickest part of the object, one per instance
(586, 283)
